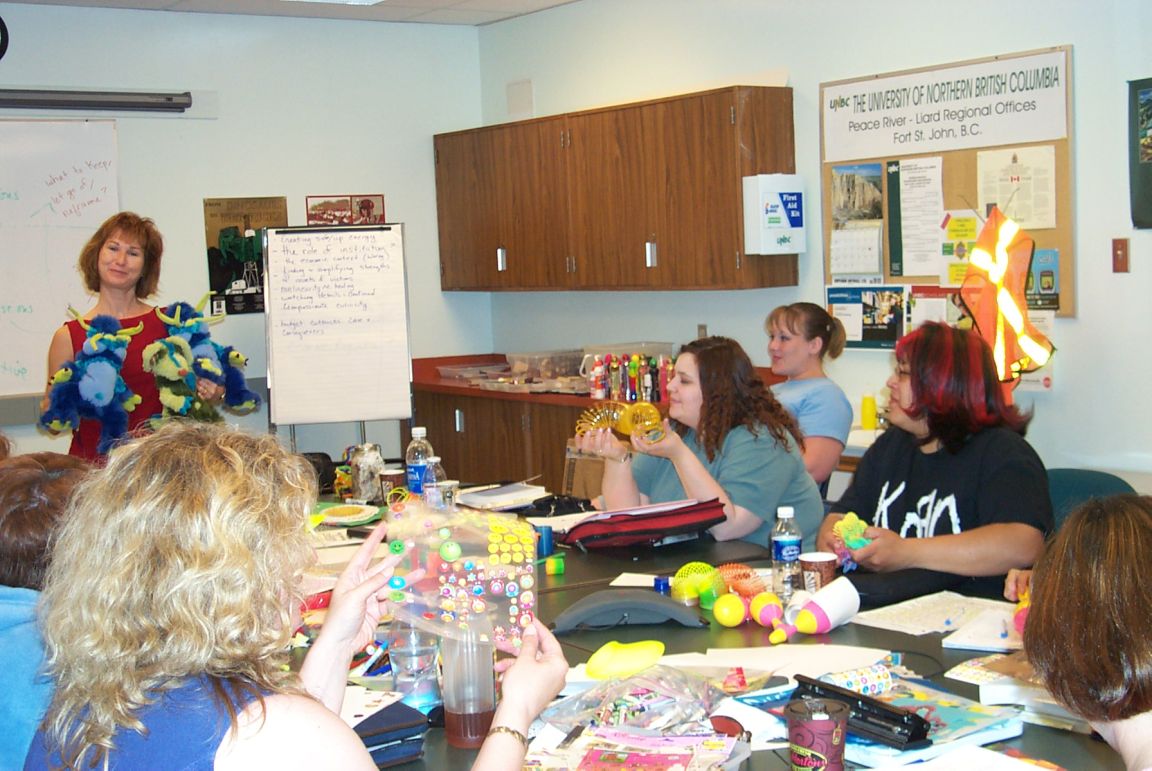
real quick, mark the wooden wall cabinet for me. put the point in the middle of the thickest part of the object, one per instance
(639, 196)
(507, 227)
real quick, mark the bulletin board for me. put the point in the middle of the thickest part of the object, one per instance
(993, 114)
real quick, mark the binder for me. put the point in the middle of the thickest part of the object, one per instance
(393, 735)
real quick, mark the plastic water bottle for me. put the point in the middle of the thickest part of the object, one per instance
(416, 459)
(785, 554)
(413, 653)
(433, 476)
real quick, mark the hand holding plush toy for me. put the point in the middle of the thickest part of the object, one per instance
(210, 360)
(850, 531)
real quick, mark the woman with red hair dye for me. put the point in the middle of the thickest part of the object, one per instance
(954, 495)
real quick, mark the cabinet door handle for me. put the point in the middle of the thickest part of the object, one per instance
(649, 254)
(501, 259)
(459, 420)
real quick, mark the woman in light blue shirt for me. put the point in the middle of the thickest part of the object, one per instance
(727, 437)
(800, 335)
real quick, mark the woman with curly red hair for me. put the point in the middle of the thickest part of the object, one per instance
(953, 494)
(727, 437)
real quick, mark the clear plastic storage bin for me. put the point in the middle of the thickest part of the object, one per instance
(544, 364)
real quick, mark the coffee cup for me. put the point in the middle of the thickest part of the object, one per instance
(817, 730)
(817, 568)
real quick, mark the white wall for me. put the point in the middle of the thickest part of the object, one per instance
(311, 107)
(598, 52)
(303, 107)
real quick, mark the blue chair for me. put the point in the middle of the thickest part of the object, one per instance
(1070, 487)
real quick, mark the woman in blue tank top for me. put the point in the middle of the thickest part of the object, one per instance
(170, 601)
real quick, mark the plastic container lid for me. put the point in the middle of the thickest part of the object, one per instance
(785, 512)
(419, 432)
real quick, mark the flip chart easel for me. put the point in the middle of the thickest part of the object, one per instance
(337, 324)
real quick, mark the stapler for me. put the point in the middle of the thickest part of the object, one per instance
(868, 717)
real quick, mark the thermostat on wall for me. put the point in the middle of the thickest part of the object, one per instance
(774, 214)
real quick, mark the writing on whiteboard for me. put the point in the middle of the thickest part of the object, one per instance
(58, 182)
(79, 186)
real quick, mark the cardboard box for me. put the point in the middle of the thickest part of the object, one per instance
(582, 474)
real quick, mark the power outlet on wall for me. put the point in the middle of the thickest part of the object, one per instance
(1119, 255)
(701, 330)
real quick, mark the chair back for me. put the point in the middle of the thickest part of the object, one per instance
(1070, 487)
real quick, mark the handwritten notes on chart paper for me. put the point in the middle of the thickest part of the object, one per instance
(337, 324)
(57, 184)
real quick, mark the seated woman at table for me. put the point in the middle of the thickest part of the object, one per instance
(1087, 629)
(953, 494)
(726, 437)
(34, 491)
(170, 601)
(800, 337)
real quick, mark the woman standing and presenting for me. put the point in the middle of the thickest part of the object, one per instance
(800, 336)
(121, 266)
(727, 437)
(953, 494)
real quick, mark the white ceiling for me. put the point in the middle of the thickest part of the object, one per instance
(469, 12)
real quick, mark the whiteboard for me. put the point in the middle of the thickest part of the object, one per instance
(337, 324)
(57, 185)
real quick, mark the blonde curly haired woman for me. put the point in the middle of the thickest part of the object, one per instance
(170, 601)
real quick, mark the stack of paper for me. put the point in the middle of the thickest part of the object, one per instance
(501, 497)
(1011, 680)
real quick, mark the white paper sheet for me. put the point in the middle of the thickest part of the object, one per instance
(856, 250)
(940, 612)
(921, 210)
(791, 660)
(991, 630)
(642, 580)
(966, 757)
(1022, 182)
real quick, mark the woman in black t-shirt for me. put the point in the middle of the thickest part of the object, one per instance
(951, 491)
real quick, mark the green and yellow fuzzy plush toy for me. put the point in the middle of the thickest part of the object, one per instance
(170, 361)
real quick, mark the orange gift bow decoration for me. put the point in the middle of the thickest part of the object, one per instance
(993, 291)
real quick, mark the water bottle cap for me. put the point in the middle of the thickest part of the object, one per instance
(419, 432)
(433, 459)
(785, 512)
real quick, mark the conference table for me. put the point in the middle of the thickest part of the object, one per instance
(591, 572)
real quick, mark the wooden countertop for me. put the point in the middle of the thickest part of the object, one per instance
(426, 378)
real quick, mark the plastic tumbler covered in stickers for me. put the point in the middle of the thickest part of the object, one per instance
(480, 571)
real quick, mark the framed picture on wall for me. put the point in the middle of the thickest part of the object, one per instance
(329, 209)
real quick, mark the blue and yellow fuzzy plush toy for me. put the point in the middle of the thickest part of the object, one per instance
(90, 386)
(222, 365)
